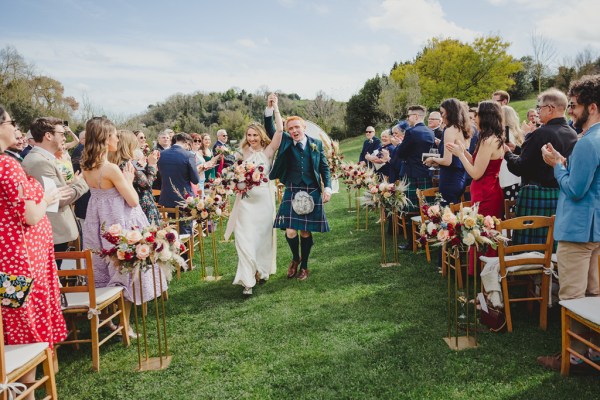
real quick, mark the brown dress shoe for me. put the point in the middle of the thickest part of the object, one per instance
(554, 363)
(292, 269)
(302, 275)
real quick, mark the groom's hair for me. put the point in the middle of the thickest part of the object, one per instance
(295, 118)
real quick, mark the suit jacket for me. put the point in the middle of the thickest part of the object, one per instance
(578, 209)
(409, 154)
(369, 146)
(530, 165)
(178, 168)
(38, 164)
(320, 169)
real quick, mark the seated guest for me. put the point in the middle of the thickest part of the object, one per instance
(381, 157)
(370, 144)
(49, 135)
(538, 194)
(145, 171)
(458, 131)
(408, 157)
(14, 149)
(577, 226)
(178, 168)
(26, 249)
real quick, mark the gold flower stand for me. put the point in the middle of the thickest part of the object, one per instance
(209, 273)
(382, 220)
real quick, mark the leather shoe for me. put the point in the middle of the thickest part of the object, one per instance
(406, 247)
(554, 363)
(302, 274)
(292, 269)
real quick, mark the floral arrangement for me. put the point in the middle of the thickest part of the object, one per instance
(356, 176)
(381, 193)
(137, 248)
(212, 206)
(243, 176)
(466, 227)
(334, 157)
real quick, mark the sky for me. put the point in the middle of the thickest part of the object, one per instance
(124, 55)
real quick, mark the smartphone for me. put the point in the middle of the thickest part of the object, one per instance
(506, 134)
(66, 123)
(137, 166)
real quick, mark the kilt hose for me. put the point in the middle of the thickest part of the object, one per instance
(535, 200)
(286, 218)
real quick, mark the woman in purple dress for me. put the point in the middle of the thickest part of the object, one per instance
(113, 201)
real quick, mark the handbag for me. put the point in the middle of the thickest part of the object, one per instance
(303, 203)
(494, 319)
(14, 289)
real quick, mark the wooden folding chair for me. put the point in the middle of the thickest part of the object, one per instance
(455, 258)
(172, 213)
(422, 195)
(521, 271)
(87, 301)
(18, 360)
(466, 196)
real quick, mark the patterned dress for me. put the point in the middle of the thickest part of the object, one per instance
(40, 318)
(142, 183)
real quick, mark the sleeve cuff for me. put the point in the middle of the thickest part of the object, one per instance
(328, 190)
(269, 111)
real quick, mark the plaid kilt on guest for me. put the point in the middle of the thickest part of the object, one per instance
(286, 217)
(411, 193)
(535, 200)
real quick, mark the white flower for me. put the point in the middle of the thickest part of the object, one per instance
(6, 284)
(469, 239)
(142, 251)
(10, 290)
(133, 237)
(115, 229)
(20, 295)
(430, 227)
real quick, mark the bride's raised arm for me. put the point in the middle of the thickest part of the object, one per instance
(272, 101)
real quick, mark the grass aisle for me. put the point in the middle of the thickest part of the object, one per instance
(352, 330)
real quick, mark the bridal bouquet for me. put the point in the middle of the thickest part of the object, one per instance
(137, 248)
(466, 227)
(244, 175)
(334, 157)
(390, 196)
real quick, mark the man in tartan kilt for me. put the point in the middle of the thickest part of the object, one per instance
(407, 158)
(538, 194)
(301, 165)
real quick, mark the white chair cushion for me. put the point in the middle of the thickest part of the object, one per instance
(416, 218)
(17, 355)
(586, 307)
(82, 299)
(184, 237)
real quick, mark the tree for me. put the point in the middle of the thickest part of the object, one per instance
(543, 54)
(523, 78)
(324, 111)
(362, 109)
(450, 68)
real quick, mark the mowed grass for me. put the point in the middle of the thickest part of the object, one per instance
(353, 330)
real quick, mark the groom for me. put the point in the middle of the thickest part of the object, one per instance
(301, 165)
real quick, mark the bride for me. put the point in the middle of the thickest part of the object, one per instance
(252, 216)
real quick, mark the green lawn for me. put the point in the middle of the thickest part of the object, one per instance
(353, 330)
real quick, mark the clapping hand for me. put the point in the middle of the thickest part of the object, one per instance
(551, 156)
(153, 158)
(455, 149)
(129, 172)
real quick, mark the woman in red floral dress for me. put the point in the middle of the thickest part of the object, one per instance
(23, 216)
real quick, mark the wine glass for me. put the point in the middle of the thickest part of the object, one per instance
(433, 152)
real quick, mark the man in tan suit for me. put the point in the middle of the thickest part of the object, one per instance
(49, 136)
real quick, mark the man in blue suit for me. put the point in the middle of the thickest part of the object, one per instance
(407, 160)
(370, 144)
(577, 224)
(177, 165)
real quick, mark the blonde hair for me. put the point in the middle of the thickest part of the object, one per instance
(511, 120)
(127, 144)
(203, 149)
(98, 129)
(264, 139)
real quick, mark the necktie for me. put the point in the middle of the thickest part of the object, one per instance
(300, 146)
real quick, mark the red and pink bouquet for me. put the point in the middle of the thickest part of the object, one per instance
(211, 207)
(244, 175)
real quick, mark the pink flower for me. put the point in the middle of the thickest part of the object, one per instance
(204, 214)
(133, 237)
(120, 255)
(256, 176)
(142, 251)
(115, 229)
(373, 190)
(442, 235)
(488, 222)
(189, 200)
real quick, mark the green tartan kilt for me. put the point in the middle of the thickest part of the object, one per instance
(287, 218)
(535, 200)
(411, 193)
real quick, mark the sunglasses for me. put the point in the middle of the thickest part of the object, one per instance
(369, 131)
(12, 122)
(197, 140)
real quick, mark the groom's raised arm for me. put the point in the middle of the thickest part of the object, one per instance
(269, 122)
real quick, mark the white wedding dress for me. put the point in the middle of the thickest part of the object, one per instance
(252, 221)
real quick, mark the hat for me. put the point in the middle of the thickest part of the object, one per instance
(404, 125)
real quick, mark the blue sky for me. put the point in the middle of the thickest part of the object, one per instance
(124, 55)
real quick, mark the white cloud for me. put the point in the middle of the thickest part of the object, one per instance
(246, 43)
(418, 20)
(320, 9)
(575, 24)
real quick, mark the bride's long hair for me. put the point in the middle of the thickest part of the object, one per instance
(264, 139)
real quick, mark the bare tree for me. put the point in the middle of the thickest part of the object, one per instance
(543, 55)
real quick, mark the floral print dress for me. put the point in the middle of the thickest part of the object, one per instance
(142, 183)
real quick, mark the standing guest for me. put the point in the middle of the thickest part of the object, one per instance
(301, 166)
(163, 143)
(577, 225)
(26, 250)
(76, 155)
(381, 159)
(141, 142)
(407, 158)
(538, 194)
(64, 164)
(74, 139)
(484, 165)
(458, 131)
(398, 132)
(178, 168)
(221, 147)
(501, 96)
(144, 175)
(202, 164)
(210, 173)
(434, 122)
(14, 149)
(370, 144)
(30, 144)
(49, 135)
(113, 201)
(532, 122)
(508, 181)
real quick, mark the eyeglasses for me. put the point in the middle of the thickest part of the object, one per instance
(197, 140)
(12, 122)
(369, 131)
(540, 107)
(571, 105)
